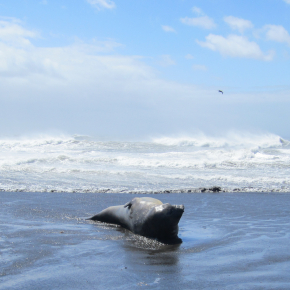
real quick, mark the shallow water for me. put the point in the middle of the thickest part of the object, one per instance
(230, 241)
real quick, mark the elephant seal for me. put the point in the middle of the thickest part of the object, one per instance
(147, 217)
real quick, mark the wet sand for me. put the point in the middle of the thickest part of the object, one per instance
(230, 241)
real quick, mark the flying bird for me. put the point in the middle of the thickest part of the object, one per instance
(221, 92)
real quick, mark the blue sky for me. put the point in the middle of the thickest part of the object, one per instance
(137, 68)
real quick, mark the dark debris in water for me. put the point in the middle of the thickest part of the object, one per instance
(191, 190)
(211, 189)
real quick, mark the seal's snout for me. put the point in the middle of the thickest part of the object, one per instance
(177, 211)
(181, 207)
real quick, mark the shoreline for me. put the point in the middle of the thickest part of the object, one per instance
(212, 189)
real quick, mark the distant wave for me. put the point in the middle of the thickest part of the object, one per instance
(245, 140)
(237, 162)
(38, 141)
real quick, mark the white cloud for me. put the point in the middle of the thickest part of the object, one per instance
(203, 21)
(166, 60)
(287, 1)
(74, 70)
(238, 23)
(199, 67)
(197, 11)
(277, 33)
(108, 4)
(56, 64)
(11, 31)
(189, 56)
(235, 46)
(44, 2)
(168, 28)
(79, 90)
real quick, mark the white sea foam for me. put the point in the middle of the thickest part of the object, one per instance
(244, 140)
(79, 163)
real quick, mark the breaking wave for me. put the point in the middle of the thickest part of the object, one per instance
(244, 140)
(236, 162)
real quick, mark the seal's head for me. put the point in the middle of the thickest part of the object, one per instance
(162, 222)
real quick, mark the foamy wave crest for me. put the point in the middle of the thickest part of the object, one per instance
(35, 140)
(237, 162)
(245, 140)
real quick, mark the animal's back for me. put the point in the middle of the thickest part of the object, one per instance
(145, 216)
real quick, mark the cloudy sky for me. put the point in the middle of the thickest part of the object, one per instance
(137, 69)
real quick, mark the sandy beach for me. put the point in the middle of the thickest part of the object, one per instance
(230, 241)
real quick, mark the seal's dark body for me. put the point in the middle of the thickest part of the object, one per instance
(145, 216)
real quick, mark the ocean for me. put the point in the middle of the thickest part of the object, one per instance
(236, 162)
